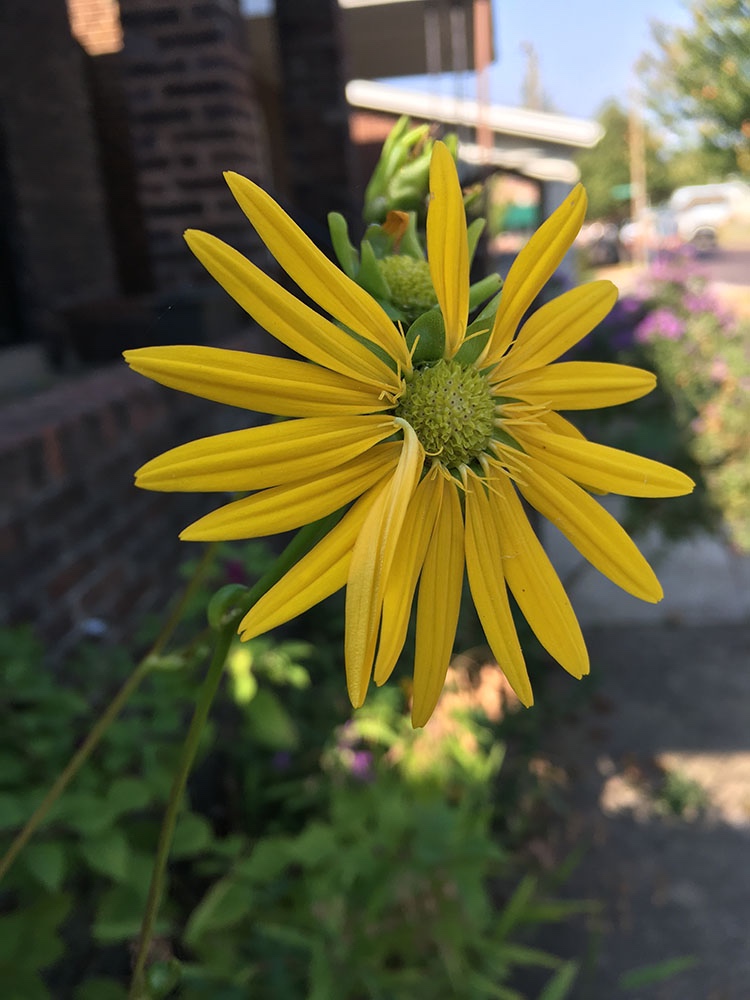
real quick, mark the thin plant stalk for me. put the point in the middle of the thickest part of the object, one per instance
(114, 708)
(302, 542)
(187, 756)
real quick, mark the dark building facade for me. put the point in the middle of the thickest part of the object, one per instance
(55, 240)
(193, 114)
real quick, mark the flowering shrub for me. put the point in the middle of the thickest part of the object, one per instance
(675, 325)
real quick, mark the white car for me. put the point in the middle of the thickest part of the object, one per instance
(702, 209)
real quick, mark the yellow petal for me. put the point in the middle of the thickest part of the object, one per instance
(316, 576)
(315, 274)
(557, 326)
(282, 508)
(580, 385)
(559, 425)
(606, 468)
(371, 562)
(280, 386)
(532, 269)
(285, 317)
(593, 531)
(260, 457)
(484, 567)
(447, 246)
(533, 581)
(407, 565)
(438, 605)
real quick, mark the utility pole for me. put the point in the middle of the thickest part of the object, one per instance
(638, 193)
(482, 58)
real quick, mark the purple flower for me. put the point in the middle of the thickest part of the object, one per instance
(660, 323)
(698, 302)
(360, 765)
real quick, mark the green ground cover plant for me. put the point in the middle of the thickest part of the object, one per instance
(316, 855)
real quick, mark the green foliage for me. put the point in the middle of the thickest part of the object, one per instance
(390, 263)
(681, 796)
(97, 842)
(400, 179)
(701, 76)
(706, 372)
(385, 890)
(316, 857)
(646, 975)
(606, 167)
(698, 418)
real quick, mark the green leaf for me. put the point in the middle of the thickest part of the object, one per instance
(192, 835)
(225, 904)
(345, 252)
(483, 289)
(119, 914)
(428, 332)
(316, 844)
(46, 862)
(644, 975)
(473, 233)
(477, 335)
(28, 938)
(12, 771)
(127, 794)
(108, 854)
(268, 859)
(270, 723)
(22, 984)
(370, 276)
(519, 954)
(88, 815)
(101, 989)
(515, 909)
(561, 983)
(163, 977)
(410, 240)
(13, 812)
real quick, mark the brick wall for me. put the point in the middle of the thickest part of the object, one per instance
(77, 539)
(314, 108)
(193, 115)
(59, 239)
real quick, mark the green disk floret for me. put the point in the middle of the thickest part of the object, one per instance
(410, 284)
(451, 410)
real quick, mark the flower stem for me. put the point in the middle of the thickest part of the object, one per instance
(302, 542)
(114, 708)
(189, 749)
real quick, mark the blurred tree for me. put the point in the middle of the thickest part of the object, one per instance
(605, 169)
(701, 77)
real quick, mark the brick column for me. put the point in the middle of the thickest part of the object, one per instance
(59, 236)
(315, 112)
(193, 115)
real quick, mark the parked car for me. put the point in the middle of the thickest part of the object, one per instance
(599, 243)
(702, 209)
(656, 231)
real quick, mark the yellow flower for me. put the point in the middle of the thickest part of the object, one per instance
(430, 459)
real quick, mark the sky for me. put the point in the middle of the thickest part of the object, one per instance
(586, 49)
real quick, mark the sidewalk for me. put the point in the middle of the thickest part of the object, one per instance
(658, 774)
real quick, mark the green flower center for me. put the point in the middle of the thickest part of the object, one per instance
(410, 284)
(451, 410)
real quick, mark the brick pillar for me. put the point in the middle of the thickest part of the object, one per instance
(193, 115)
(59, 238)
(315, 112)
